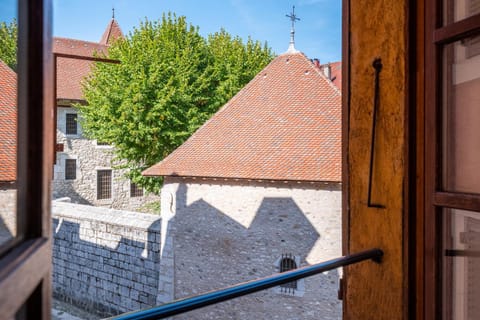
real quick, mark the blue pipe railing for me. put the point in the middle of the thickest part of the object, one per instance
(213, 297)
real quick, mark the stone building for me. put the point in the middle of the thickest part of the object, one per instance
(84, 170)
(256, 191)
(8, 151)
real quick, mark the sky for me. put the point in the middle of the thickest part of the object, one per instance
(317, 34)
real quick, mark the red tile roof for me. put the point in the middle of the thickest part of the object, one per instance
(8, 123)
(284, 125)
(112, 32)
(71, 71)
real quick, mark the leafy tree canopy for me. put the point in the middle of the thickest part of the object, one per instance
(170, 80)
(8, 43)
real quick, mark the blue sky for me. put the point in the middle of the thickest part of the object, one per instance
(318, 33)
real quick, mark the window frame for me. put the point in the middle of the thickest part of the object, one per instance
(67, 127)
(74, 177)
(435, 197)
(25, 271)
(135, 190)
(111, 184)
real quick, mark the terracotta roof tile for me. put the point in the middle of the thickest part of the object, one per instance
(8, 123)
(112, 32)
(284, 125)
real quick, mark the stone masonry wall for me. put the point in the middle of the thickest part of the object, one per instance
(8, 216)
(226, 232)
(90, 158)
(106, 261)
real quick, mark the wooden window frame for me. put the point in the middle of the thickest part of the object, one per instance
(25, 270)
(433, 197)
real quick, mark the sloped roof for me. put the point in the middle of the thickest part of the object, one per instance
(112, 32)
(8, 123)
(72, 70)
(283, 125)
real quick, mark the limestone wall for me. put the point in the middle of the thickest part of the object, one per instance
(106, 261)
(90, 158)
(226, 232)
(8, 216)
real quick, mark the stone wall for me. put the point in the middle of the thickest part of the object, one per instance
(106, 261)
(8, 212)
(90, 158)
(226, 232)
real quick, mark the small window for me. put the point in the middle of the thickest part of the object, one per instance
(71, 123)
(135, 190)
(287, 263)
(104, 184)
(70, 169)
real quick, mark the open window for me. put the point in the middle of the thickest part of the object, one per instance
(25, 265)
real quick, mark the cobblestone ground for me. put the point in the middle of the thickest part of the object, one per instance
(65, 311)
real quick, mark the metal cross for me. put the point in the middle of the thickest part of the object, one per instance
(113, 13)
(293, 18)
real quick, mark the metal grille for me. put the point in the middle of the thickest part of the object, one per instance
(135, 190)
(104, 184)
(70, 169)
(288, 263)
(71, 123)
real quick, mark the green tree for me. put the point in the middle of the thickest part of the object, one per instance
(8, 43)
(170, 80)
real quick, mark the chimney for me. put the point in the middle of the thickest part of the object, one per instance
(327, 71)
(316, 63)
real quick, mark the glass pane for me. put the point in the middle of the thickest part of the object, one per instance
(461, 113)
(8, 122)
(461, 265)
(456, 10)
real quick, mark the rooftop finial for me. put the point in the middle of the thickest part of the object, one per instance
(293, 18)
(113, 13)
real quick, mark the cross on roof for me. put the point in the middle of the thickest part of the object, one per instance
(113, 13)
(293, 18)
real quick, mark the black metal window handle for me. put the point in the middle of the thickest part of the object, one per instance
(377, 65)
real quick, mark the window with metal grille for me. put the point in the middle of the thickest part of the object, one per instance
(71, 123)
(287, 263)
(70, 169)
(135, 190)
(104, 184)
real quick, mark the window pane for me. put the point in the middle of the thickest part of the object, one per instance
(456, 10)
(71, 123)
(461, 113)
(8, 123)
(461, 264)
(70, 169)
(104, 184)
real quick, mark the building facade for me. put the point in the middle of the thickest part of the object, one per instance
(85, 170)
(257, 191)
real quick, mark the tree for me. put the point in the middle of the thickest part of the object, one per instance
(8, 43)
(170, 80)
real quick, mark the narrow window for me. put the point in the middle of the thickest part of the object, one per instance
(135, 190)
(287, 263)
(70, 169)
(71, 123)
(104, 184)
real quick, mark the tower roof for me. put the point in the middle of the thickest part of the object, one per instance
(283, 125)
(112, 32)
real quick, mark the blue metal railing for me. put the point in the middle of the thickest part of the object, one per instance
(203, 300)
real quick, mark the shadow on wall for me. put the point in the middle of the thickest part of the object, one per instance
(213, 251)
(65, 188)
(118, 276)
